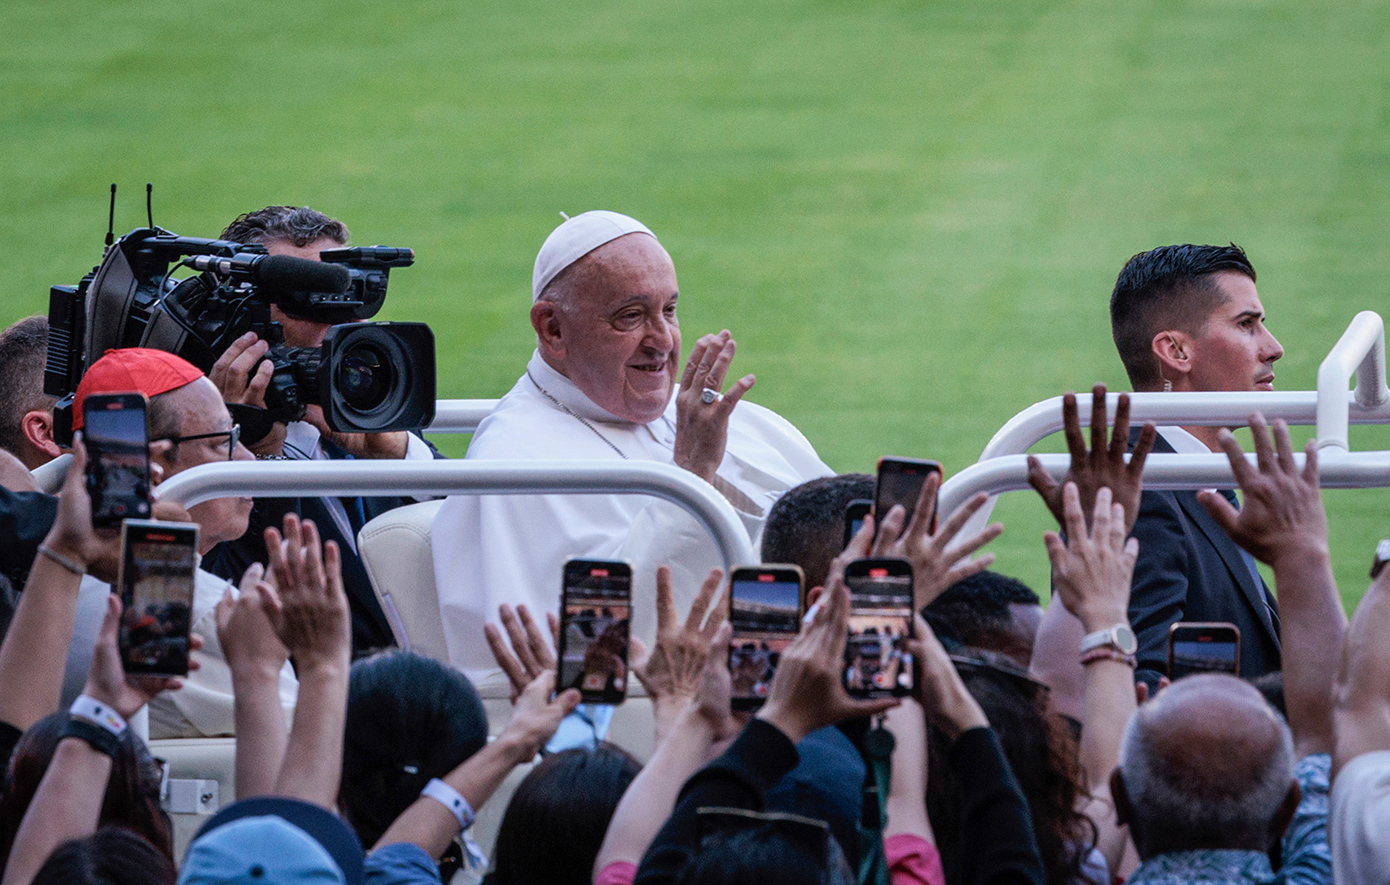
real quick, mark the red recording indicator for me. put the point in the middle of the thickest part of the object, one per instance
(766, 579)
(598, 573)
(878, 572)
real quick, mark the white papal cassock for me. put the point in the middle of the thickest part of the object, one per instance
(510, 548)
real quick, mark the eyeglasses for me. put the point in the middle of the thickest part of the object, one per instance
(982, 661)
(233, 437)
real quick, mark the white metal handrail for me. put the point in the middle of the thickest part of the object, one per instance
(1360, 352)
(283, 479)
(1008, 473)
(459, 415)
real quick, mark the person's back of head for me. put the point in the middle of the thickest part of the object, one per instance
(110, 856)
(23, 354)
(132, 792)
(553, 827)
(295, 225)
(770, 849)
(987, 611)
(807, 524)
(1206, 765)
(409, 719)
(1170, 287)
(1042, 752)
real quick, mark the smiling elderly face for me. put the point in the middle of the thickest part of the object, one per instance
(615, 333)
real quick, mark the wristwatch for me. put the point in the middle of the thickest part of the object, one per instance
(1120, 636)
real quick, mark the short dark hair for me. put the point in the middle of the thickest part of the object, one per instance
(409, 719)
(1166, 288)
(554, 826)
(974, 607)
(806, 526)
(299, 225)
(23, 353)
(110, 856)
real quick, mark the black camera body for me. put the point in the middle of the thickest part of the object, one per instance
(367, 377)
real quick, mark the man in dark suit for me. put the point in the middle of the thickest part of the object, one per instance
(302, 232)
(1188, 318)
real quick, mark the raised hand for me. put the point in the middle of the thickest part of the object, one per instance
(1282, 511)
(675, 667)
(1091, 570)
(536, 716)
(937, 563)
(944, 698)
(1102, 465)
(529, 656)
(702, 429)
(244, 629)
(307, 605)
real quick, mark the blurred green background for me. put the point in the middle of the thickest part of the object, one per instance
(910, 214)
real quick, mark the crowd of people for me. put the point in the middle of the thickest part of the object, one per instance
(1036, 745)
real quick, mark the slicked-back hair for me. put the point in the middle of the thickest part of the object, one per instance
(298, 225)
(1170, 287)
(23, 352)
(806, 526)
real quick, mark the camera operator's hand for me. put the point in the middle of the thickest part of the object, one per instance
(242, 374)
(393, 444)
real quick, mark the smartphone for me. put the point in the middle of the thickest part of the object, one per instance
(1382, 556)
(877, 662)
(765, 606)
(855, 511)
(595, 619)
(155, 581)
(900, 481)
(118, 457)
(1203, 647)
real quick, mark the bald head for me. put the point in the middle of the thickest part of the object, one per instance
(1206, 764)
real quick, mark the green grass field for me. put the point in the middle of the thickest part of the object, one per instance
(910, 213)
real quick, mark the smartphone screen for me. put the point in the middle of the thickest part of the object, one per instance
(877, 662)
(855, 512)
(900, 481)
(765, 613)
(158, 560)
(1203, 648)
(118, 457)
(595, 616)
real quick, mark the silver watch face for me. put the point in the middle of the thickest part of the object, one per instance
(1124, 639)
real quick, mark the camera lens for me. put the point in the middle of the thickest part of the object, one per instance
(365, 377)
(377, 376)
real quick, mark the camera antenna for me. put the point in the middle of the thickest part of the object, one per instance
(111, 217)
(149, 201)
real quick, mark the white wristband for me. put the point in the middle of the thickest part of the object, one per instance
(99, 713)
(451, 799)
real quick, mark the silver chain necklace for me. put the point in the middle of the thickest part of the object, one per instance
(575, 415)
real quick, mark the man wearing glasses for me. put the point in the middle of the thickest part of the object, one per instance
(188, 424)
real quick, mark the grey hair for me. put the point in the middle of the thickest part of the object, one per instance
(1172, 814)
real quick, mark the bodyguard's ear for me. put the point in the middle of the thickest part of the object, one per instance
(1174, 352)
(546, 321)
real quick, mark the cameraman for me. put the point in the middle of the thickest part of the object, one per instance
(243, 376)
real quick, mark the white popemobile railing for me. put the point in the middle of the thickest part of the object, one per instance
(1360, 352)
(459, 415)
(282, 479)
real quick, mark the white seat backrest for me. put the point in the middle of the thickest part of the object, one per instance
(395, 549)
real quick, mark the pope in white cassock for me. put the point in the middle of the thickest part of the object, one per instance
(602, 385)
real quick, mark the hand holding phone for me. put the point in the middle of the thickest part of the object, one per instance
(158, 560)
(118, 457)
(765, 605)
(878, 663)
(595, 617)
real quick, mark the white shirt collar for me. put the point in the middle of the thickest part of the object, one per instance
(1183, 443)
(567, 392)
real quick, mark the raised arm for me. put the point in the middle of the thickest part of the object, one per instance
(309, 611)
(1362, 713)
(1091, 572)
(36, 645)
(1282, 523)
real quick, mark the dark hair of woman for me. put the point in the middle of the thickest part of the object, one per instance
(552, 830)
(132, 793)
(110, 856)
(409, 719)
(769, 853)
(1042, 752)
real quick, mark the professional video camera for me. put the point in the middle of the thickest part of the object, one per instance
(367, 377)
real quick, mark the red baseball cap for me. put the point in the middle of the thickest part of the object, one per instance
(133, 370)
